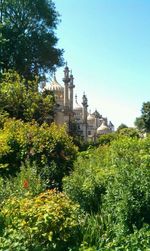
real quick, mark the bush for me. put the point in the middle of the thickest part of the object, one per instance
(107, 138)
(44, 145)
(129, 132)
(138, 240)
(123, 207)
(127, 200)
(49, 221)
(87, 183)
(27, 181)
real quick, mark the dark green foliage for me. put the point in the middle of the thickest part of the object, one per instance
(28, 42)
(143, 122)
(3, 117)
(122, 126)
(139, 123)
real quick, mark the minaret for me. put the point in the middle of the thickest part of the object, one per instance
(66, 81)
(54, 76)
(76, 99)
(84, 116)
(96, 119)
(71, 86)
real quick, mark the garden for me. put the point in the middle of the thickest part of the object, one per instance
(53, 196)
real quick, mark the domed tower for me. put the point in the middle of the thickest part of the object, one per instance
(77, 109)
(103, 129)
(77, 113)
(58, 91)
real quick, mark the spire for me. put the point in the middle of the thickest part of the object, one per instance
(76, 99)
(97, 114)
(85, 101)
(54, 76)
(71, 86)
(66, 78)
(84, 115)
(66, 81)
(71, 78)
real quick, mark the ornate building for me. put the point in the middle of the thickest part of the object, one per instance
(88, 125)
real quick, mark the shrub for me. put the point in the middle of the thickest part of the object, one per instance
(87, 183)
(49, 221)
(123, 207)
(107, 138)
(27, 181)
(45, 145)
(127, 199)
(138, 240)
(129, 132)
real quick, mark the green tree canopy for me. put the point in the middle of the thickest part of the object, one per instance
(16, 100)
(122, 126)
(129, 132)
(27, 27)
(143, 122)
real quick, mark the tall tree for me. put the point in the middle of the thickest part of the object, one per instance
(143, 122)
(28, 29)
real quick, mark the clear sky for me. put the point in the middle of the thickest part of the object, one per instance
(107, 46)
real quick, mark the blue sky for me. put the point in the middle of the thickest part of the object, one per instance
(107, 46)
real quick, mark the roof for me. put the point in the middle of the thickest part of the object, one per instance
(103, 128)
(90, 117)
(77, 106)
(97, 114)
(55, 86)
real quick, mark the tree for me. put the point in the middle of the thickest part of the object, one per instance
(122, 126)
(106, 139)
(143, 122)
(129, 132)
(16, 100)
(27, 27)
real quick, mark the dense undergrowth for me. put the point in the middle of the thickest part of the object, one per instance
(53, 197)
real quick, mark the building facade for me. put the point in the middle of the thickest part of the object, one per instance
(87, 125)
